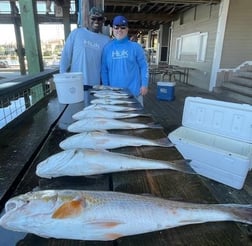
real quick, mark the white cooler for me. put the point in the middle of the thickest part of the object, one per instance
(217, 137)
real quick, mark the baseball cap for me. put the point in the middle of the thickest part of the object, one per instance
(120, 21)
(94, 11)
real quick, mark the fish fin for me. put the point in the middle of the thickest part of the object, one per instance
(165, 142)
(145, 115)
(69, 209)
(112, 236)
(135, 108)
(154, 125)
(239, 212)
(182, 165)
(101, 130)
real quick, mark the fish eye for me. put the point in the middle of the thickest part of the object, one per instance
(10, 206)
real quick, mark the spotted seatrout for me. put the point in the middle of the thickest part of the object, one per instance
(77, 162)
(100, 215)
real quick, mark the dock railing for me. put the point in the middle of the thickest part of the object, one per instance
(22, 93)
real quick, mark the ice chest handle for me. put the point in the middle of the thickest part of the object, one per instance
(69, 87)
(166, 90)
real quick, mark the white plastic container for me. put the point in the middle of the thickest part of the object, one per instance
(69, 87)
(217, 137)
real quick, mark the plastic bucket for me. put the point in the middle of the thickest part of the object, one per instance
(166, 90)
(69, 87)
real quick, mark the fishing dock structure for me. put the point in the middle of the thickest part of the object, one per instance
(36, 133)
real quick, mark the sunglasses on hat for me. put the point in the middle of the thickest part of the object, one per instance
(121, 27)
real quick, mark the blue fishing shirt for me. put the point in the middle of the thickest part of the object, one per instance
(82, 53)
(124, 65)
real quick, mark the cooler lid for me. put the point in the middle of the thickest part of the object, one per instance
(231, 120)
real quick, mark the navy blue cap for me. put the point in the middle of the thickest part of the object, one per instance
(120, 21)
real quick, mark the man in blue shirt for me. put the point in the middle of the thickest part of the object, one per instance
(124, 63)
(83, 49)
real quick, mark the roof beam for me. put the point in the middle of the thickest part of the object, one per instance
(136, 3)
(142, 16)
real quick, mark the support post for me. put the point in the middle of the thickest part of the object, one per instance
(28, 12)
(20, 48)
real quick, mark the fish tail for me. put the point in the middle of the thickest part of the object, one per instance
(154, 125)
(164, 142)
(240, 212)
(145, 115)
(183, 166)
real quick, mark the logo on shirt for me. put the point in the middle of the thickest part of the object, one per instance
(116, 54)
(91, 44)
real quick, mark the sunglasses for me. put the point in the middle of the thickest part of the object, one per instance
(97, 18)
(122, 27)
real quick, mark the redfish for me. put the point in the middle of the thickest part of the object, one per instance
(101, 124)
(107, 215)
(108, 101)
(78, 162)
(116, 108)
(106, 87)
(104, 140)
(111, 95)
(98, 113)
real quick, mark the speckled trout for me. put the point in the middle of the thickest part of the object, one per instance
(104, 140)
(104, 215)
(104, 113)
(78, 162)
(103, 124)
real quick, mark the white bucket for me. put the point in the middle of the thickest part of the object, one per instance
(69, 87)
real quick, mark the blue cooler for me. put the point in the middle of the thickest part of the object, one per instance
(166, 90)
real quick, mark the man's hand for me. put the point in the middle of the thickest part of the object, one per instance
(143, 90)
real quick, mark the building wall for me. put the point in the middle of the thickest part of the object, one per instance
(201, 19)
(237, 47)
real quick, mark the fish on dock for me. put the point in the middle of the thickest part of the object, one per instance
(82, 162)
(104, 140)
(108, 215)
(102, 124)
(106, 87)
(110, 92)
(104, 113)
(114, 108)
(110, 96)
(109, 101)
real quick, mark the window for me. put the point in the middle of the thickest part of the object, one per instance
(192, 46)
